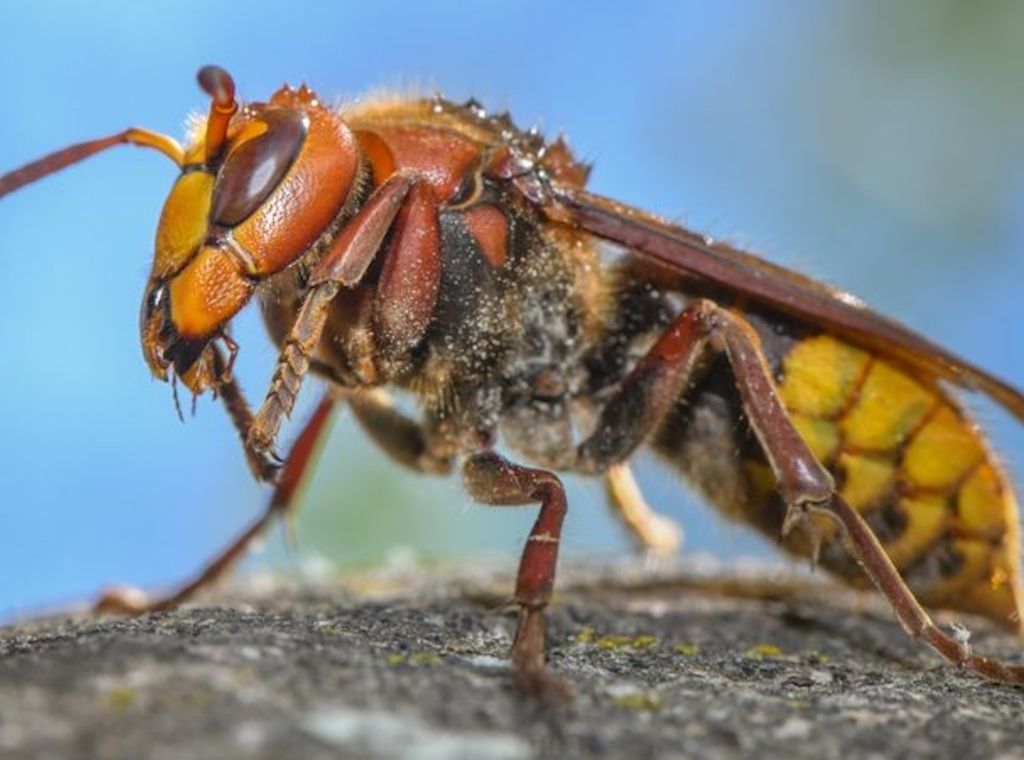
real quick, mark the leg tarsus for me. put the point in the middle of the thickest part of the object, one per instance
(529, 672)
(799, 516)
(133, 601)
(291, 368)
(129, 600)
(865, 547)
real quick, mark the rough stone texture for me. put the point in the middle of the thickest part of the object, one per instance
(666, 664)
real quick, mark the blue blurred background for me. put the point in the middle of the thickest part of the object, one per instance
(877, 145)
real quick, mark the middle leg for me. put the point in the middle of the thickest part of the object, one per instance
(407, 441)
(494, 480)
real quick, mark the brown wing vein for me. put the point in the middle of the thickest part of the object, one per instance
(690, 254)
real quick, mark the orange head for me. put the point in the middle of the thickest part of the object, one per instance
(260, 186)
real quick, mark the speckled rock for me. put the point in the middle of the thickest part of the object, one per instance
(673, 663)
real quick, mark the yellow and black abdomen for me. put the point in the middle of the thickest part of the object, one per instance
(902, 453)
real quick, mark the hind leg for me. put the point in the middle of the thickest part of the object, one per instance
(659, 535)
(804, 484)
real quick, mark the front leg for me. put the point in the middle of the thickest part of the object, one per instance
(133, 601)
(292, 365)
(411, 257)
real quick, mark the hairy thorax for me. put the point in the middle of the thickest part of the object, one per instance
(519, 306)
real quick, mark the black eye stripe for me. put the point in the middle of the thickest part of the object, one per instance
(252, 171)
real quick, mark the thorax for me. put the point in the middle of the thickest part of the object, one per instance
(519, 302)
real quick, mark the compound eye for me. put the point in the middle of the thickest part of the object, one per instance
(252, 170)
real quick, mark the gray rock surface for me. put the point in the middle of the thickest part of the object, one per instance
(668, 664)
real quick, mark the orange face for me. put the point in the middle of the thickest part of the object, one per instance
(277, 185)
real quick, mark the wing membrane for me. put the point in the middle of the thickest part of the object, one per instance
(690, 254)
